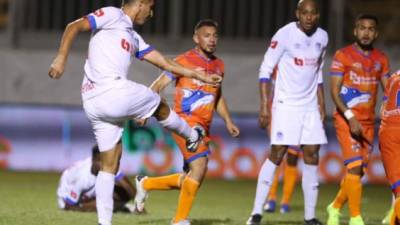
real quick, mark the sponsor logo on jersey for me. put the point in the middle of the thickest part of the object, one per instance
(357, 65)
(273, 44)
(352, 96)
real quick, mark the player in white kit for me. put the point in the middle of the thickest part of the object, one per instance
(76, 189)
(298, 109)
(109, 98)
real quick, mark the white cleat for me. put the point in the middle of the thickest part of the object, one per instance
(141, 194)
(192, 145)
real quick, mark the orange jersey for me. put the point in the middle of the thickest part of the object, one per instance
(391, 108)
(361, 77)
(195, 100)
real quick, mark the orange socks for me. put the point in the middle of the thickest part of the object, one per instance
(162, 183)
(289, 182)
(354, 192)
(396, 213)
(274, 186)
(341, 196)
(188, 192)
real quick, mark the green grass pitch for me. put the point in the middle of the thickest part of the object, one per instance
(29, 199)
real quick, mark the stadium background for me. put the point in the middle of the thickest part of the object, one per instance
(41, 119)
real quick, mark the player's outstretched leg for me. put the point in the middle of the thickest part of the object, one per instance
(171, 121)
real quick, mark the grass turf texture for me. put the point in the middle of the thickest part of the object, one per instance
(30, 198)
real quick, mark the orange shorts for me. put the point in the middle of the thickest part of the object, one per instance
(389, 145)
(355, 152)
(294, 150)
(202, 150)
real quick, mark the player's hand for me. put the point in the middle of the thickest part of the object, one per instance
(57, 67)
(264, 117)
(212, 79)
(232, 129)
(355, 127)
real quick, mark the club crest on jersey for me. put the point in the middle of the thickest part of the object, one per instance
(273, 44)
(297, 46)
(357, 65)
(318, 45)
(378, 66)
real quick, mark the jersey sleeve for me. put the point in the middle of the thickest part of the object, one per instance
(142, 47)
(387, 89)
(272, 56)
(338, 64)
(385, 67)
(103, 17)
(72, 198)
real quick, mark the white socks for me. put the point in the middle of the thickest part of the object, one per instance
(310, 190)
(179, 126)
(265, 178)
(104, 197)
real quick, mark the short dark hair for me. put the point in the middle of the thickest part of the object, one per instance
(125, 2)
(95, 150)
(206, 23)
(367, 17)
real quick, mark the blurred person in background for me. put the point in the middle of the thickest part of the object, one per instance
(76, 189)
(297, 52)
(109, 98)
(356, 73)
(195, 102)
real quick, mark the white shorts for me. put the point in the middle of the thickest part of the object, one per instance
(108, 111)
(290, 126)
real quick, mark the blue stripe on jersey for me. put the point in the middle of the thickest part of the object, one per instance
(384, 98)
(141, 54)
(264, 80)
(191, 159)
(70, 201)
(387, 75)
(119, 176)
(92, 22)
(336, 73)
(352, 160)
(395, 185)
(169, 74)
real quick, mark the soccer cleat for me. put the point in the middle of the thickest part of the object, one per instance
(333, 215)
(312, 222)
(356, 220)
(386, 220)
(254, 220)
(270, 206)
(141, 193)
(181, 222)
(192, 145)
(285, 208)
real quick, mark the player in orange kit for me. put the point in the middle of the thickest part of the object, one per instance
(356, 72)
(195, 102)
(389, 139)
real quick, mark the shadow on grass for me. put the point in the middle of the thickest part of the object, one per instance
(193, 222)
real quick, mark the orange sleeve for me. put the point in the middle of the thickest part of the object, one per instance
(385, 67)
(338, 64)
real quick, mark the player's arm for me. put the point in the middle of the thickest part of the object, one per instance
(71, 31)
(223, 112)
(162, 81)
(84, 206)
(321, 101)
(336, 85)
(271, 59)
(156, 58)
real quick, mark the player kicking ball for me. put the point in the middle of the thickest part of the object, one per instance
(109, 98)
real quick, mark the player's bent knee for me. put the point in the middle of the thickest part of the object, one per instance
(162, 111)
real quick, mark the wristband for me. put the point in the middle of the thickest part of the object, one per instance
(348, 114)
